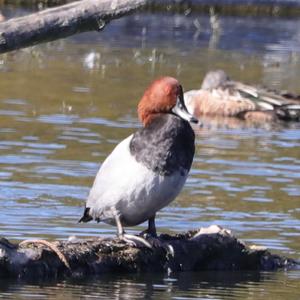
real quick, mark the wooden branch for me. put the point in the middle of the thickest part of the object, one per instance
(63, 21)
(210, 248)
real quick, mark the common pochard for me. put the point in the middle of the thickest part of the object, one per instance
(147, 170)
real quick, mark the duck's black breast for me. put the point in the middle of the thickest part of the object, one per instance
(165, 146)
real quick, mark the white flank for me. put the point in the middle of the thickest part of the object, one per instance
(127, 186)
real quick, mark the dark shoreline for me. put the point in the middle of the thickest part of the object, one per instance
(279, 8)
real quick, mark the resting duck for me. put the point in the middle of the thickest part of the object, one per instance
(221, 96)
(148, 169)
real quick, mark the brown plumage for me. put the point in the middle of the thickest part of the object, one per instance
(220, 96)
(158, 100)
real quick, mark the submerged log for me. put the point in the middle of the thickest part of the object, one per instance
(212, 248)
(62, 21)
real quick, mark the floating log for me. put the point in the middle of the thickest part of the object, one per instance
(207, 249)
(62, 21)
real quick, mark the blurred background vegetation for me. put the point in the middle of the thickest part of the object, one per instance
(225, 7)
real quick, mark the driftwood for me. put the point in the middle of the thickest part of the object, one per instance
(210, 248)
(62, 21)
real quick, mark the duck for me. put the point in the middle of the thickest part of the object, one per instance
(219, 96)
(148, 169)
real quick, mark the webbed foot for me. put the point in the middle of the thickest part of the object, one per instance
(134, 241)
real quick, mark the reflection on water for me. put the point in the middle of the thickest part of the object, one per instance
(216, 285)
(65, 105)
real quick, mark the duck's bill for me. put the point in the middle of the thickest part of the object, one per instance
(184, 114)
(181, 111)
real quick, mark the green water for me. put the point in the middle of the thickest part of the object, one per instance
(65, 105)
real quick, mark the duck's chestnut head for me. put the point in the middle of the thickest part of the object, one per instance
(164, 95)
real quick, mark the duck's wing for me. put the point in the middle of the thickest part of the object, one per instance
(285, 105)
(251, 93)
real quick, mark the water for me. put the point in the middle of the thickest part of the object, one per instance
(218, 285)
(65, 105)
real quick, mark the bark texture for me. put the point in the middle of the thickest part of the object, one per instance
(210, 248)
(62, 21)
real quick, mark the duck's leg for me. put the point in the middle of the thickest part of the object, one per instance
(131, 239)
(151, 235)
(120, 229)
(152, 227)
(151, 230)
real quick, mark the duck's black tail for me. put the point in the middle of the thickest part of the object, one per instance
(86, 216)
(288, 112)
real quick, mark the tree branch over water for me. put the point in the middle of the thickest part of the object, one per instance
(89, 15)
(63, 21)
